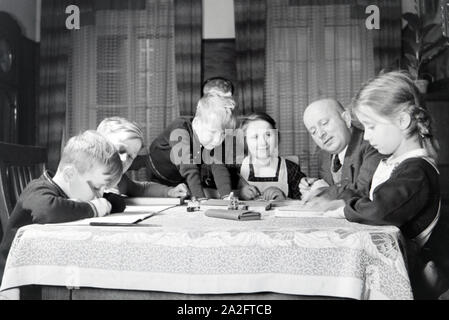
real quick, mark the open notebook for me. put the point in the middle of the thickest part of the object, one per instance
(133, 216)
(152, 201)
(297, 211)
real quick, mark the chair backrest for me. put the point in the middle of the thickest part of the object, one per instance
(19, 165)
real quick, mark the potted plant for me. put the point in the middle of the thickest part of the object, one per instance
(422, 41)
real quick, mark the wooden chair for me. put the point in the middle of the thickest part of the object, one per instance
(19, 165)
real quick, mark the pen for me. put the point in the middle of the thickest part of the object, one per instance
(131, 224)
(309, 183)
(121, 224)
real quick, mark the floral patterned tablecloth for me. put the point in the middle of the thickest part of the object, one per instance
(191, 253)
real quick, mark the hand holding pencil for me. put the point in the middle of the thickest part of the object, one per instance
(248, 191)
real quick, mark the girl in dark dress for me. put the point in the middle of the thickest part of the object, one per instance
(405, 188)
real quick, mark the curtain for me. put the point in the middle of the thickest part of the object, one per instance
(123, 64)
(250, 34)
(55, 49)
(387, 39)
(314, 50)
(188, 37)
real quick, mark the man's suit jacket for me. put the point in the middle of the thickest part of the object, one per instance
(360, 163)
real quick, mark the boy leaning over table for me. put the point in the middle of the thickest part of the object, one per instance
(89, 164)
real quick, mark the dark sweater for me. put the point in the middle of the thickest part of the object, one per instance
(165, 171)
(409, 199)
(42, 201)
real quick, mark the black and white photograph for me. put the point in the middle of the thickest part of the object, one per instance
(224, 154)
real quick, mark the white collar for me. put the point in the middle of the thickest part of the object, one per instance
(342, 154)
(415, 153)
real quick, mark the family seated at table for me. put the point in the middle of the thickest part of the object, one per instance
(402, 189)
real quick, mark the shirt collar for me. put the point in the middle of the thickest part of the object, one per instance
(342, 154)
(48, 175)
(416, 153)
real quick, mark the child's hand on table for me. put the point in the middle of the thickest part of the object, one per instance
(180, 191)
(102, 205)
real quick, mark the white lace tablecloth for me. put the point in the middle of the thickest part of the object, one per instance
(194, 254)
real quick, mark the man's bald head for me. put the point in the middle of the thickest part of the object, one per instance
(324, 105)
(329, 125)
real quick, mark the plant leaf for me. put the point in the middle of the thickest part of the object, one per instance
(427, 29)
(411, 59)
(413, 20)
(413, 72)
(432, 55)
(410, 45)
(434, 48)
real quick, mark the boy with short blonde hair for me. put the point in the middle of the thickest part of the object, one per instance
(213, 116)
(89, 164)
(218, 86)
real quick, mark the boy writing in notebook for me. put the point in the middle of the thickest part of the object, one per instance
(88, 165)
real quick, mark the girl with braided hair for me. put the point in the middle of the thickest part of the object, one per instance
(405, 188)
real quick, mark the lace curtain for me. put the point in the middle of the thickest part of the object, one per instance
(54, 63)
(123, 64)
(250, 33)
(313, 51)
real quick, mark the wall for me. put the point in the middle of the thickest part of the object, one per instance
(27, 14)
(408, 6)
(218, 19)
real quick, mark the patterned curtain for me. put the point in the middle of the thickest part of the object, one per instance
(315, 49)
(55, 48)
(250, 35)
(387, 39)
(188, 36)
(123, 64)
